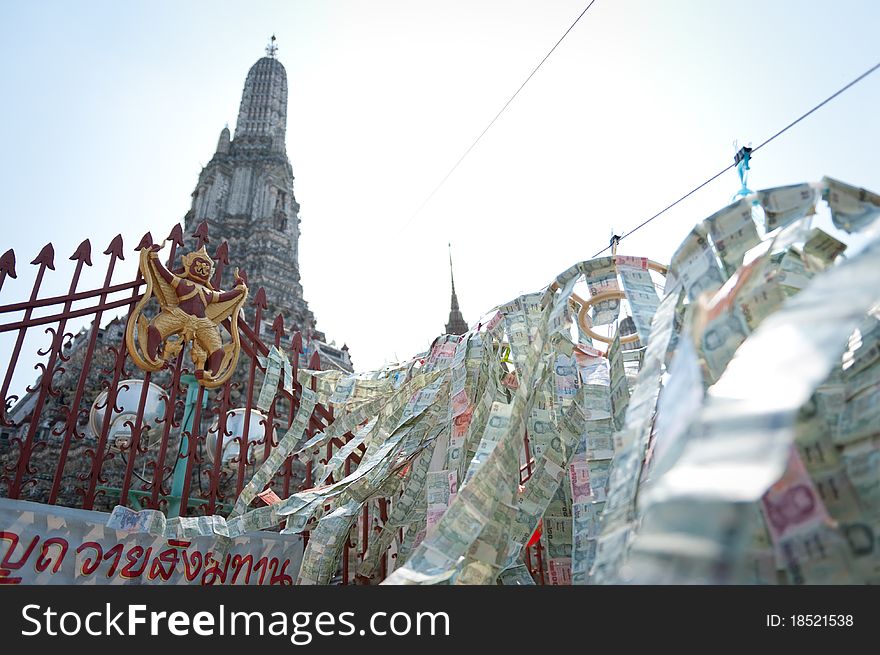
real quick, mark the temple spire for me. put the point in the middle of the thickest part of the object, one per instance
(262, 115)
(456, 324)
(246, 195)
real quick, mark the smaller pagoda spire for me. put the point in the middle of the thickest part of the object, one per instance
(223, 141)
(456, 324)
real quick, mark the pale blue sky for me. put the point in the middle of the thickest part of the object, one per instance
(110, 109)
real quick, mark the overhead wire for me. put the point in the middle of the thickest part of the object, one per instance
(497, 116)
(618, 239)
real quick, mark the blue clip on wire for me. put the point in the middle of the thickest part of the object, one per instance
(741, 159)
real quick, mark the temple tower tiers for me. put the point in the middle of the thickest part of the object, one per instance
(456, 324)
(245, 193)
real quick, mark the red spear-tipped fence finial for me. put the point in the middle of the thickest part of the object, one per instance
(46, 257)
(201, 234)
(115, 247)
(278, 328)
(7, 267)
(145, 242)
(221, 255)
(7, 264)
(176, 235)
(83, 253)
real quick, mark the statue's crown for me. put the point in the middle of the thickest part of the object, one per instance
(201, 253)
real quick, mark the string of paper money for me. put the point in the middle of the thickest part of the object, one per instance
(722, 430)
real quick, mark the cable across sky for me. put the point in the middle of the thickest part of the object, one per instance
(755, 149)
(497, 116)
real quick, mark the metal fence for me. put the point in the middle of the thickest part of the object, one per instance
(63, 446)
(93, 431)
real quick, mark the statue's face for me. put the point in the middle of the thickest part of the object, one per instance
(200, 269)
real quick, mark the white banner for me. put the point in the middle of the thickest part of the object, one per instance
(46, 544)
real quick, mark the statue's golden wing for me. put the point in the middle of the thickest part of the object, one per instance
(220, 311)
(136, 328)
(163, 291)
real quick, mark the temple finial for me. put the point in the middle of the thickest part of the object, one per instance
(451, 275)
(456, 324)
(271, 49)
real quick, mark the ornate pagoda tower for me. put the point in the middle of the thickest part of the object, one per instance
(456, 324)
(245, 194)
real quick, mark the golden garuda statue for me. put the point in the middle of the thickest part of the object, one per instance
(191, 311)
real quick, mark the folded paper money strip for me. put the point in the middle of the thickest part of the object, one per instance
(725, 431)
